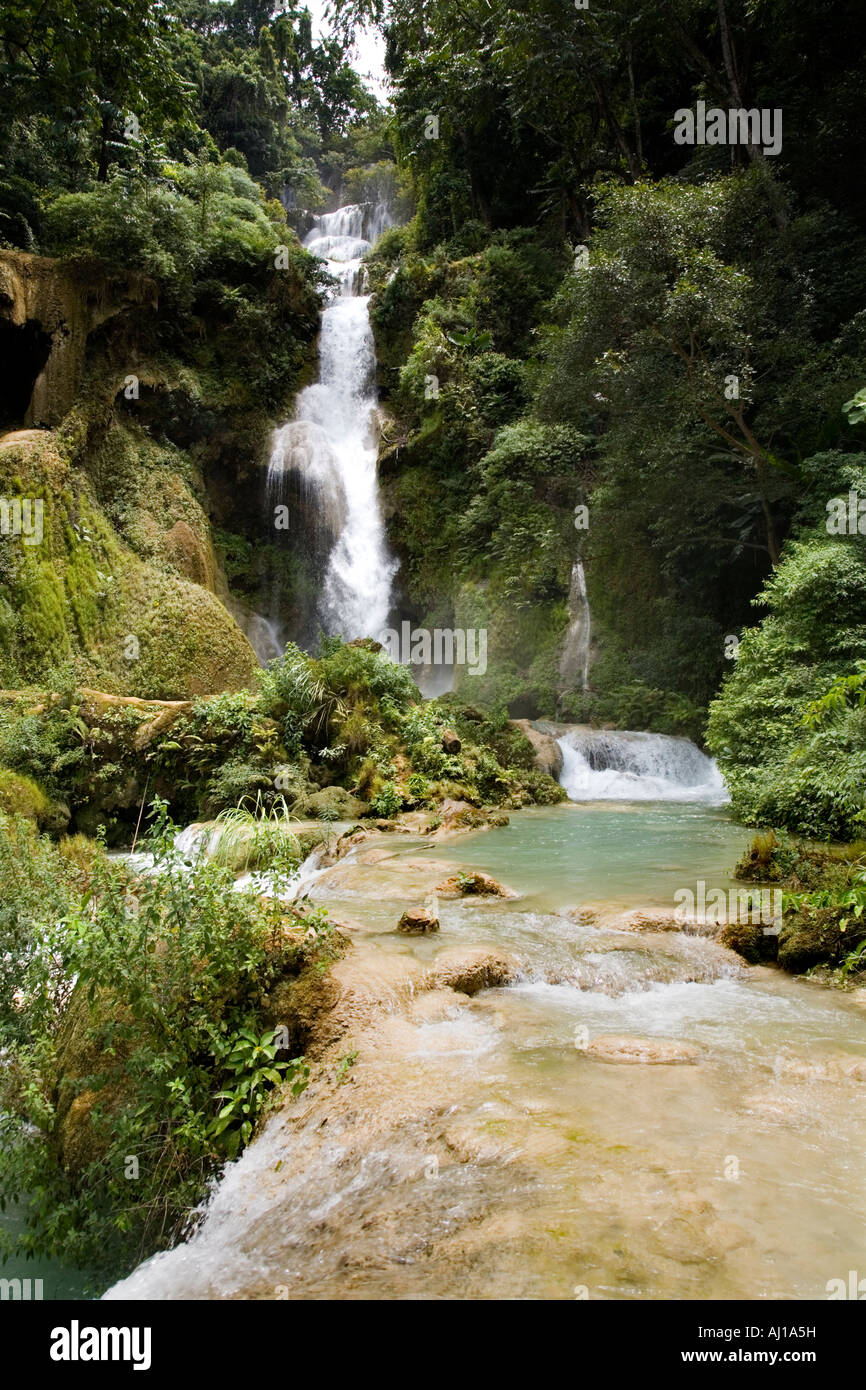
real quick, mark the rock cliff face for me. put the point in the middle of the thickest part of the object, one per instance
(120, 578)
(48, 309)
(151, 540)
(126, 597)
(548, 754)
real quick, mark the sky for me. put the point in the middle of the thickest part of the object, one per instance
(369, 56)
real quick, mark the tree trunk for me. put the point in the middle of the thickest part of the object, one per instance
(104, 138)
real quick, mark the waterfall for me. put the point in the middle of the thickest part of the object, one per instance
(323, 462)
(625, 766)
(574, 662)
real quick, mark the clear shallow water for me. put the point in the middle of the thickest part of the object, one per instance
(59, 1281)
(480, 1149)
(631, 854)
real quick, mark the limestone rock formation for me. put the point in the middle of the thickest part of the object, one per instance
(418, 921)
(616, 1047)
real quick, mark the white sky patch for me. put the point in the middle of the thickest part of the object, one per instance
(368, 55)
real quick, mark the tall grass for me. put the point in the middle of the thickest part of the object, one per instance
(257, 837)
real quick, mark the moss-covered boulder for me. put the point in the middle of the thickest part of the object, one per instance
(816, 937)
(22, 795)
(331, 803)
(750, 941)
(122, 597)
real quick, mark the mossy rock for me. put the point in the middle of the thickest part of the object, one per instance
(750, 942)
(188, 644)
(806, 940)
(331, 803)
(123, 591)
(21, 795)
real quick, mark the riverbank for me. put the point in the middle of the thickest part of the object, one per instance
(503, 1141)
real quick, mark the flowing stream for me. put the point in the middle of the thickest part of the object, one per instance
(482, 1147)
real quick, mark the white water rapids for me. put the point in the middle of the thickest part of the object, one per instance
(480, 1146)
(328, 451)
(631, 766)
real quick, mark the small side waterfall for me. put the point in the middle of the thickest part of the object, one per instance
(624, 766)
(323, 462)
(574, 662)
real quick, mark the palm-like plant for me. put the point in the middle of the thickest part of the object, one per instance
(252, 836)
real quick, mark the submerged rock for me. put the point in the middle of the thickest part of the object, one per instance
(617, 1047)
(476, 885)
(470, 970)
(653, 920)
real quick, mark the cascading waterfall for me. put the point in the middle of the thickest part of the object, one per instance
(623, 766)
(323, 462)
(630, 766)
(574, 662)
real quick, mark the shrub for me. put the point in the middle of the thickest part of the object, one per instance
(388, 802)
(22, 795)
(785, 765)
(157, 1050)
(153, 233)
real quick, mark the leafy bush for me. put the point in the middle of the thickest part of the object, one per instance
(40, 887)
(388, 802)
(136, 1030)
(784, 766)
(154, 234)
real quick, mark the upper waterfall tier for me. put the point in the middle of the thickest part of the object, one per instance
(574, 662)
(327, 453)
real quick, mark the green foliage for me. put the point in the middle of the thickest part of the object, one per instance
(161, 1036)
(165, 79)
(843, 693)
(251, 1068)
(513, 524)
(47, 748)
(251, 837)
(789, 739)
(39, 887)
(855, 409)
(154, 233)
(21, 794)
(639, 706)
(388, 802)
